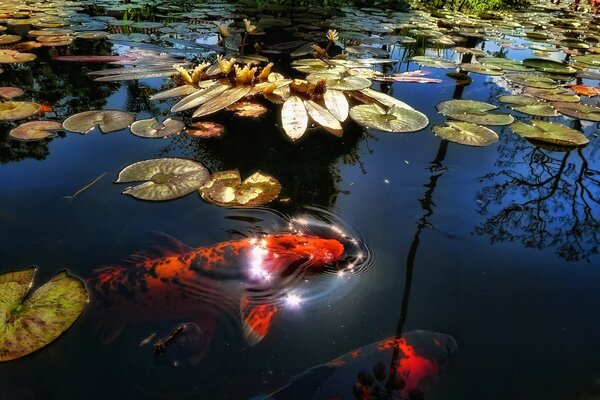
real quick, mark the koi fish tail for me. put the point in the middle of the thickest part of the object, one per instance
(256, 319)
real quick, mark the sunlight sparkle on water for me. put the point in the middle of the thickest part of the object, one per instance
(293, 300)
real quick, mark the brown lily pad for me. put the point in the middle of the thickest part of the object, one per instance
(226, 189)
(35, 130)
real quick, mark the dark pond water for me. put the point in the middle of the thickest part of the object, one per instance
(499, 243)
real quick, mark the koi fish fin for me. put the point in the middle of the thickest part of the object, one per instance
(159, 245)
(256, 319)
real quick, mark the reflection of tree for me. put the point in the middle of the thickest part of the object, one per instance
(543, 199)
(65, 86)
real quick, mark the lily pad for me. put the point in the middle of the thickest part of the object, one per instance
(434, 62)
(466, 133)
(558, 94)
(323, 117)
(226, 99)
(12, 57)
(549, 133)
(106, 120)
(482, 69)
(348, 83)
(529, 105)
(337, 104)
(29, 320)
(205, 129)
(151, 128)
(549, 66)
(578, 110)
(294, 117)
(35, 130)
(8, 92)
(473, 111)
(395, 119)
(14, 110)
(247, 109)
(535, 81)
(166, 178)
(226, 189)
(505, 64)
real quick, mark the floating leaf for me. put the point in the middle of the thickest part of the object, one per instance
(200, 96)
(9, 92)
(396, 119)
(550, 133)
(529, 105)
(558, 94)
(31, 320)
(578, 110)
(337, 104)
(35, 130)
(324, 118)
(151, 128)
(294, 117)
(106, 120)
(247, 109)
(205, 129)
(532, 81)
(14, 110)
(434, 62)
(586, 90)
(178, 91)
(226, 189)
(348, 83)
(13, 56)
(167, 178)
(504, 63)
(549, 66)
(384, 99)
(473, 111)
(466, 133)
(226, 99)
(482, 69)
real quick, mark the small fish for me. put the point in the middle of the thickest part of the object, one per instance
(172, 281)
(361, 373)
(45, 108)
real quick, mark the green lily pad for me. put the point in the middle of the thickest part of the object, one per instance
(549, 66)
(473, 111)
(29, 320)
(349, 83)
(151, 128)
(549, 133)
(395, 119)
(558, 94)
(536, 81)
(35, 130)
(167, 178)
(481, 69)
(106, 120)
(466, 133)
(14, 110)
(434, 62)
(578, 110)
(504, 63)
(529, 105)
(226, 189)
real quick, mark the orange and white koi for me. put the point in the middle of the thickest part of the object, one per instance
(174, 281)
(363, 373)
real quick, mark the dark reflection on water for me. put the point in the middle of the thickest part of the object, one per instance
(495, 246)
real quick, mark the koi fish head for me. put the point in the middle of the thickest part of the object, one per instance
(288, 252)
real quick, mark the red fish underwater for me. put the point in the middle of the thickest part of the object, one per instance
(362, 373)
(173, 281)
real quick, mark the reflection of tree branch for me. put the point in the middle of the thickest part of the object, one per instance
(551, 202)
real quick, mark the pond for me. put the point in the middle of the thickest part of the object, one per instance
(493, 247)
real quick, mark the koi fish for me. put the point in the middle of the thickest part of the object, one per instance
(174, 281)
(361, 373)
